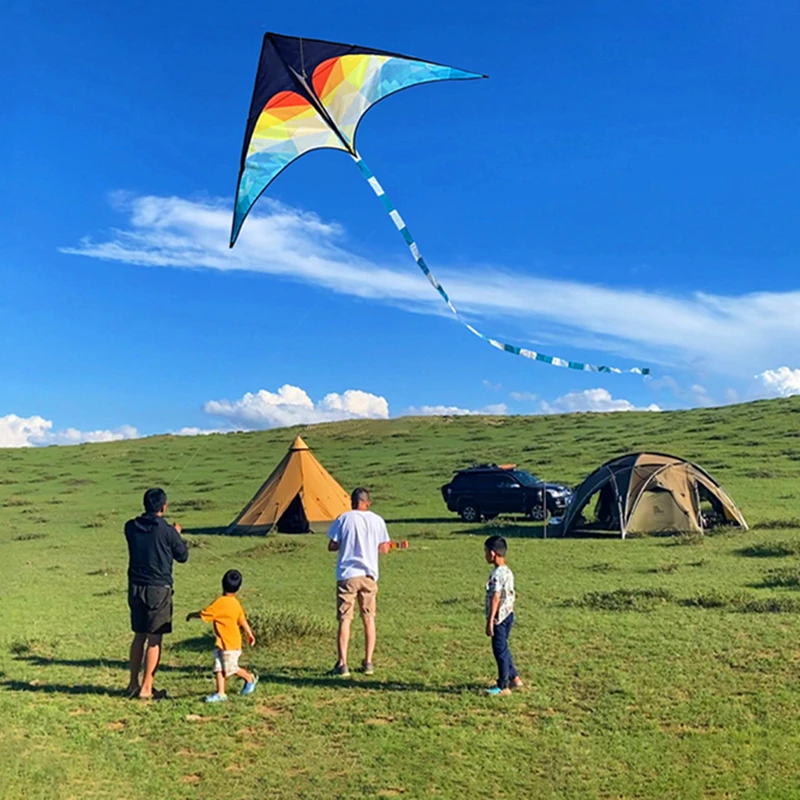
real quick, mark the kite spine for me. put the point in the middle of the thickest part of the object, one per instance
(420, 261)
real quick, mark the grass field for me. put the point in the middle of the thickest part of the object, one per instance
(655, 667)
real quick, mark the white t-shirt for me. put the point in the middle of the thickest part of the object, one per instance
(501, 582)
(358, 533)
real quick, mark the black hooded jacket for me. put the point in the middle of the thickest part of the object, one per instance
(152, 545)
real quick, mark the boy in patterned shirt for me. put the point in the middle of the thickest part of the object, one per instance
(227, 615)
(500, 614)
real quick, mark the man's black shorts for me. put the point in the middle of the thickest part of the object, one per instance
(151, 608)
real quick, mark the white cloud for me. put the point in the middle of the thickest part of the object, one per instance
(781, 382)
(20, 432)
(37, 431)
(495, 409)
(590, 400)
(195, 431)
(291, 405)
(732, 334)
(524, 397)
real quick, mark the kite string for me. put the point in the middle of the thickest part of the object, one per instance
(415, 254)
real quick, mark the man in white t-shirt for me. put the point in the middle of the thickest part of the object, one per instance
(359, 537)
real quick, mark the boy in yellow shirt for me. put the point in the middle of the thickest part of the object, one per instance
(227, 615)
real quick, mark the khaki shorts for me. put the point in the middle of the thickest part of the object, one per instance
(365, 589)
(226, 661)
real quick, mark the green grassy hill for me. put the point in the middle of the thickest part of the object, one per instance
(655, 667)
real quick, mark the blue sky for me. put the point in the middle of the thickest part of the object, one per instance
(623, 189)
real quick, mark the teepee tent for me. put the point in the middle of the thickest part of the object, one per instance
(299, 493)
(652, 493)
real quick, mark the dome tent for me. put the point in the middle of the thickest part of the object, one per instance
(298, 493)
(651, 493)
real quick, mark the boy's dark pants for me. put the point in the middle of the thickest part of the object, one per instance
(506, 671)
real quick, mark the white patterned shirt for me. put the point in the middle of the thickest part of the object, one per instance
(501, 582)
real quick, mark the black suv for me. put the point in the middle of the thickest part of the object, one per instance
(487, 490)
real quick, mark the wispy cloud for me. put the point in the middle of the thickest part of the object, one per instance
(730, 334)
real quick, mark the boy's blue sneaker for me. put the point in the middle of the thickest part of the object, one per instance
(250, 686)
(494, 691)
(216, 698)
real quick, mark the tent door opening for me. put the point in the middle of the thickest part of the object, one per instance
(294, 519)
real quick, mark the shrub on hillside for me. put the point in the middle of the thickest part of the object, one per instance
(778, 549)
(285, 627)
(626, 600)
(788, 577)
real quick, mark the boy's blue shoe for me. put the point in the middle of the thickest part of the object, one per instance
(216, 698)
(494, 691)
(250, 686)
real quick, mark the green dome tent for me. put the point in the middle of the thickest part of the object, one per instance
(651, 493)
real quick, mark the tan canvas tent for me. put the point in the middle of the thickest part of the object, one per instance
(652, 493)
(299, 493)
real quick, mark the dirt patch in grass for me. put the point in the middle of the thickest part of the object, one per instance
(29, 537)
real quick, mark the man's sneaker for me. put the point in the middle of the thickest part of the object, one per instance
(367, 668)
(216, 698)
(495, 691)
(342, 670)
(250, 686)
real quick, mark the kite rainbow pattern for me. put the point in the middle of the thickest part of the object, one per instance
(312, 95)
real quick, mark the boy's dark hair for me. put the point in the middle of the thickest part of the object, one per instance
(496, 543)
(154, 500)
(359, 495)
(231, 581)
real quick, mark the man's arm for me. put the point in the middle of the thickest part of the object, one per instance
(494, 607)
(180, 550)
(333, 537)
(386, 543)
(193, 615)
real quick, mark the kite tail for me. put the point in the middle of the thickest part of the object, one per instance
(508, 348)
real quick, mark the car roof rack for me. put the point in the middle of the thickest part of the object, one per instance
(478, 467)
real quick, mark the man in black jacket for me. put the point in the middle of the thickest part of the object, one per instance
(153, 544)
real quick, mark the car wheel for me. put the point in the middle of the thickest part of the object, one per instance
(470, 512)
(536, 513)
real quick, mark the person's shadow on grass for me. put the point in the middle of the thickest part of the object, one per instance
(301, 677)
(61, 688)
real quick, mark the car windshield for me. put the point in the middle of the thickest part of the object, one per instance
(525, 478)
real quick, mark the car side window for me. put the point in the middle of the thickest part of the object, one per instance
(504, 482)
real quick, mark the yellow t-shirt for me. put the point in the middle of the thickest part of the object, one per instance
(227, 614)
